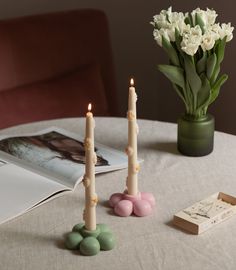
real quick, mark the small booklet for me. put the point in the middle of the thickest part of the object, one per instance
(36, 167)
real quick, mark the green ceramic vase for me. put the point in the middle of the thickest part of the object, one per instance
(196, 136)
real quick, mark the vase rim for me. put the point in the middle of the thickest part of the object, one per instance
(197, 119)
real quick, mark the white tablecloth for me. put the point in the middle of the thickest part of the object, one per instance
(34, 240)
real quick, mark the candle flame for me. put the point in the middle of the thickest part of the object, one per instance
(131, 82)
(90, 107)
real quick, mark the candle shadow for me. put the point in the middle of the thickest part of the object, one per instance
(40, 240)
(60, 242)
(174, 227)
(105, 203)
(111, 212)
(167, 147)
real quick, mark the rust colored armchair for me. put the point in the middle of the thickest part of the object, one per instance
(53, 65)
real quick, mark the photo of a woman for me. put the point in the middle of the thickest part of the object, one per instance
(53, 151)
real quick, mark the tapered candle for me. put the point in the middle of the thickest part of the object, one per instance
(89, 179)
(133, 165)
(132, 201)
(90, 238)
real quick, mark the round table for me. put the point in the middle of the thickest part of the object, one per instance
(34, 240)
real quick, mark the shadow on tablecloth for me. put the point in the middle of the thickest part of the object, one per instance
(167, 147)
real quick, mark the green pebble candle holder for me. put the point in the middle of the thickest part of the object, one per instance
(88, 242)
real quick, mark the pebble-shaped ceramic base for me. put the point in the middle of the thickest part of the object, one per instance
(89, 243)
(125, 205)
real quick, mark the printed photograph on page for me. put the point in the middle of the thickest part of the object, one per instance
(53, 151)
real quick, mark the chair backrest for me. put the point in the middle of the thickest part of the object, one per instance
(53, 65)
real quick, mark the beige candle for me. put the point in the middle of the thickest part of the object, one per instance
(133, 165)
(89, 178)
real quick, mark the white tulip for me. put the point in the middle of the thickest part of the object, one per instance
(192, 39)
(186, 30)
(189, 48)
(215, 30)
(208, 41)
(201, 13)
(181, 26)
(153, 23)
(164, 12)
(211, 16)
(169, 11)
(171, 33)
(208, 16)
(167, 21)
(193, 14)
(177, 21)
(164, 33)
(160, 21)
(158, 35)
(196, 32)
(175, 17)
(226, 31)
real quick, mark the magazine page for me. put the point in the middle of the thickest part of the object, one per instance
(21, 190)
(57, 154)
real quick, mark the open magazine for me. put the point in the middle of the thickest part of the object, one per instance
(34, 167)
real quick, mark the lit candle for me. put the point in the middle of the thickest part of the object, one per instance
(89, 178)
(131, 150)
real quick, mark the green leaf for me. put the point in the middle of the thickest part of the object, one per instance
(215, 74)
(190, 98)
(187, 20)
(200, 22)
(180, 94)
(191, 75)
(170, 51)
(220, 51)
(216, 45)
(221, 81)
(204, 93)
(178, 40)
(191, 20)
(201, 64)
(174, 74)
(211, 63)
(216, 88)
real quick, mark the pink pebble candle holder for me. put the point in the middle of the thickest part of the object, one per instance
(131, 201)
(140, 205)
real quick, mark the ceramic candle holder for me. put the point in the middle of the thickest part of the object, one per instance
(125, 205)
(88, 242)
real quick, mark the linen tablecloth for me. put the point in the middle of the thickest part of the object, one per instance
(35, 239)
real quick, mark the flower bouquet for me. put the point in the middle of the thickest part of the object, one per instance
(195, 45)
